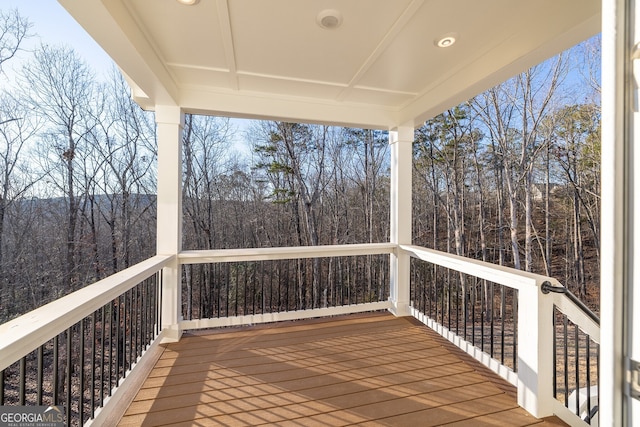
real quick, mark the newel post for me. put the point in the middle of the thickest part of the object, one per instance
(535, 351)
(170, 121)
(401, 142)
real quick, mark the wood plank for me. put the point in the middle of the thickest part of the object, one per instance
(365, 369)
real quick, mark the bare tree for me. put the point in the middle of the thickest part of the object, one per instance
(512, 113)
(59, 86)
(577, 149)
(14, 29)
(14, 134)
(122, 140)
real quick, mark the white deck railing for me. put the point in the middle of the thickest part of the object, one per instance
(77, 351)
(235, 256)
(25, 333)
(535, 375)
(533, 339)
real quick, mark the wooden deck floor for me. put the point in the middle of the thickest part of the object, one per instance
(365, 370)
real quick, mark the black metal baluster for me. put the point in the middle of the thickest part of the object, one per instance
(118, 326)
(296, 288)
(92, 403)
(483, 310)
(566, 360)
(472, 297)
(514, 321)
(236, 285)
(464, 312)
(287, 285)
(417, 295)
(113, 361)
(598, 368)
(439, 307)
(211, 280)
(2, 387)
(142, 316)
(143, 302)
(143, 297)
(40, 375)
(130, 329)
(262, 294)
(299, 294)
(146, 307)
(458, 289)
(103, 327)
(576, 337)
(245, 271)
(555, 354)
(54, 378)
(227, 281)
(449, 299)
(69, 372)
(23, 380)
(342, 280)
(203, 309)
(254, 279)
(130, 333)
(154, 300)
(125, 308)
(137, 320)
(430, 292)
(309, 281)
(133, 331)
(588, 377)
(279, 270)
(503, 314)
(102, 330)
(160, 299)
(492, 320)
(81, 374)
(270, 306)
(151, 317)
(416, 298)
(215, 284)
(151, 314)
(426, 291)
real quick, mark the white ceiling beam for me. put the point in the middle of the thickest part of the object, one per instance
(271, 107)
(227, 41)
(386, 41)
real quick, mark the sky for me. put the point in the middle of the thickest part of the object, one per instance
(53, 25)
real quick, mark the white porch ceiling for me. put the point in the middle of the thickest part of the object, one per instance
(270, 59)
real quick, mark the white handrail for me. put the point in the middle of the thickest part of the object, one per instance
(293, 252)
(575, 310)
(22, 335)
(501, 275)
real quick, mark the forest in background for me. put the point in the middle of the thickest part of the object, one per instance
(510, 177)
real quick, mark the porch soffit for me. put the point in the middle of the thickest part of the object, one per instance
(380, 68)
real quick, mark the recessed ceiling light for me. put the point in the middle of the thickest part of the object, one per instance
(446, 41)
(329, 19)
(188, 2)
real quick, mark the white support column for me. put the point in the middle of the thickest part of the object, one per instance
(401, 141)
(170, 121)
(535, 360)
(620, 230)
